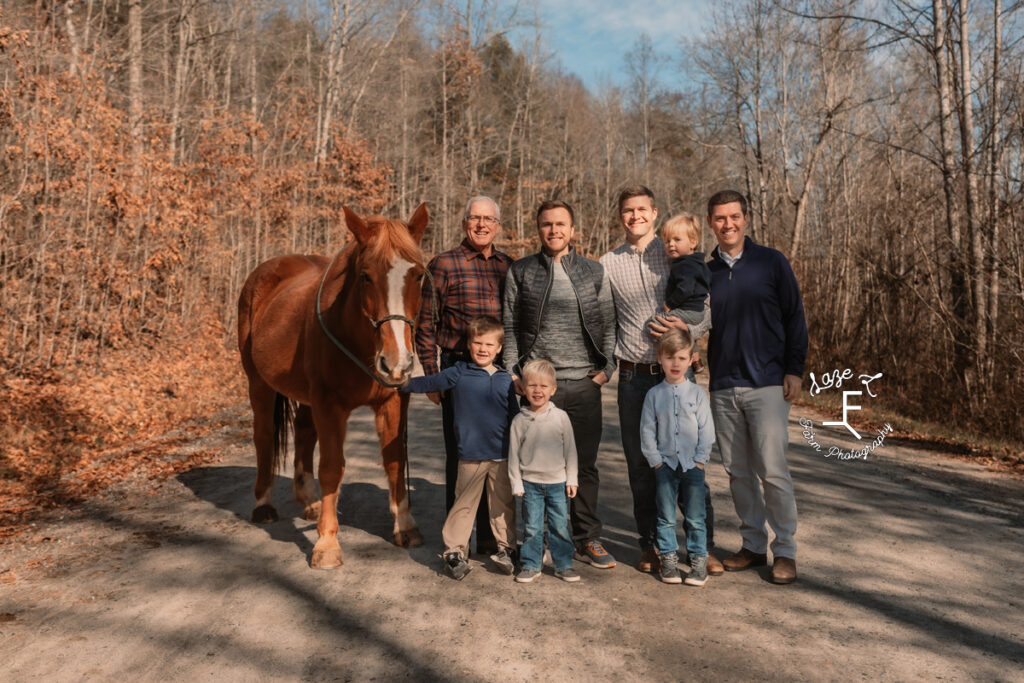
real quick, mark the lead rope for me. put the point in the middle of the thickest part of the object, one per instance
(405, 427)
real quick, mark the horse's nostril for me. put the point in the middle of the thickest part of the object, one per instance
(382, 363)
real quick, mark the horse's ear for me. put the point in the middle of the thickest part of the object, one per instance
(356, 225)
(418, 222)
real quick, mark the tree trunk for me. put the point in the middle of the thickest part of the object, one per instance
(977, 262)
(135, 84)
(995, 157)
(957, 293)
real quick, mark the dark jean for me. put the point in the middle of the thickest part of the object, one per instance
(550, 500)
(484, 536)
(633, 388)
(581, 400)
(686, 488)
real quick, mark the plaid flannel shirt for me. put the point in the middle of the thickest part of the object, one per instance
(466, 284)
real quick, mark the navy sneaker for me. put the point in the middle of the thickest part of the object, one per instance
(698, 575)
(593, 553)
(669, 570)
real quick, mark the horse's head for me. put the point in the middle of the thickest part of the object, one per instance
(390, 271)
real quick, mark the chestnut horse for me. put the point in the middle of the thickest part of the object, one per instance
(333, 336)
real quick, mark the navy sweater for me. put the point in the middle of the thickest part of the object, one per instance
(758, 330)
(484, 405)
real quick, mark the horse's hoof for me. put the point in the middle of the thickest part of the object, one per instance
(264, 514)
(410, 538)
(329, 558)
(312, 512)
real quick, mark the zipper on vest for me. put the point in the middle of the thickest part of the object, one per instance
(583, 317)
(540, 312)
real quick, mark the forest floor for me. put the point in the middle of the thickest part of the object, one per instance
(909, 569)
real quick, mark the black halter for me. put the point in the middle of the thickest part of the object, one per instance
(376, 326)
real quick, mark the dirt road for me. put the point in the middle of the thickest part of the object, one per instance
(910, 568)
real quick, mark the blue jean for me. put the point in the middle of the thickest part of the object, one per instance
(550, 500)
(689, 486)
(633, 388)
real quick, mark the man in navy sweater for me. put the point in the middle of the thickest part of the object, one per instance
(756, 354)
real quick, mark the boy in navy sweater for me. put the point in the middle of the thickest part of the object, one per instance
(484, 403)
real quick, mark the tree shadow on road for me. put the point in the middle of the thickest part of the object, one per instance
(362, 646)
(362, 506)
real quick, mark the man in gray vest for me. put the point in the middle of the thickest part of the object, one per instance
(558, 306)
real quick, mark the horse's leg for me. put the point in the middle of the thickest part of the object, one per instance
(304, 483)
(391, 422)
(331, 424)
(262, 398)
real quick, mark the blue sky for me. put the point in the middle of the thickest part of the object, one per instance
(592, 37)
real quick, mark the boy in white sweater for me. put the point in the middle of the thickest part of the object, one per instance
(542, 471)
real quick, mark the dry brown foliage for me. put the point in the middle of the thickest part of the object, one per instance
(121, 263)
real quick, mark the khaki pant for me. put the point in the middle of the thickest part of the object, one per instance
(473, 477)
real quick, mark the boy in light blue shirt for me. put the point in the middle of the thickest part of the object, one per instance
(676, 435)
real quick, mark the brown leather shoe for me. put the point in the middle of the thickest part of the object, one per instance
(745, 559)
(715, 567)
(648, 561)
(784, 570)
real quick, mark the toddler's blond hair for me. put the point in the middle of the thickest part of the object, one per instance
(538, 367)
(685, 223)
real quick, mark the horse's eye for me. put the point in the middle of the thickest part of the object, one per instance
(366, 278)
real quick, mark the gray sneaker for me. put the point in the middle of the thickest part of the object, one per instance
(670, 568)
(568, 575)
(456, 567)
(503, 561)
(698, 571)
(526, 575)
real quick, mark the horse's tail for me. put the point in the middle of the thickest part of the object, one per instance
(284, 420)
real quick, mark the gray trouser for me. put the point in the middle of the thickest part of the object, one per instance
(750, 432)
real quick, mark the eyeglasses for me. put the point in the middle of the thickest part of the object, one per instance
(486, 220)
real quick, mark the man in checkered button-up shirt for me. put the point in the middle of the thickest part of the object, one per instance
(638, 272)
(465, 283)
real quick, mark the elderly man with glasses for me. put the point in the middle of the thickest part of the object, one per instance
(465, 283)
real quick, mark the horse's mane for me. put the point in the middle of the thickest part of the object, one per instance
(390, 237)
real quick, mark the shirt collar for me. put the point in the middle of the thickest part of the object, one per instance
(731, 260)
(652, 247)
(529, 412)
(468, 252)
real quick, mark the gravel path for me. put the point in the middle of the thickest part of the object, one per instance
(909, 569)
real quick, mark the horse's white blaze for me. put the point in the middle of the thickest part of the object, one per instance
(396, 306)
